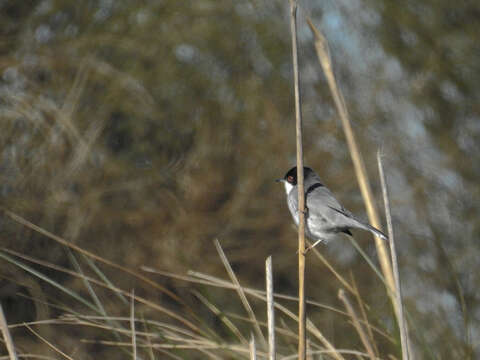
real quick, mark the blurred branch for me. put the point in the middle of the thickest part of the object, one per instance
(7, 337)
(323, 54)
(361, 305)
(398, 294)
(356, 324)
(50, 345)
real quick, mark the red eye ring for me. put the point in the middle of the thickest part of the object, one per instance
(290, 179)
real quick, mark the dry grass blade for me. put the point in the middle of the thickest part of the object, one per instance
(229, 324)
(148, 341)
(323, 54)
(334, 353)
(309, 350)
(132, 324)
(356, 324)
(48, 343)
(253, 350)
(270, 308)
(330, 354)
(398, 293)
(240, 293)
(202, 346)
(331, 268)
(7, 336)
(361, 305)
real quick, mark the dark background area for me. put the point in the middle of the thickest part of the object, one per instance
(144, 130)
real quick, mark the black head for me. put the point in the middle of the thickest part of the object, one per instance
(291, 175)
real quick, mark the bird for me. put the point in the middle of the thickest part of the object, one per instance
(324, 216)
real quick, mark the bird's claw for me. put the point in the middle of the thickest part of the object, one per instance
(307, 249)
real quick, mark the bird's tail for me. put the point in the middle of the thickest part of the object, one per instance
(360, 224)
(375, 231)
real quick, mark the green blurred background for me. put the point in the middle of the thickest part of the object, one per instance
(143, 130)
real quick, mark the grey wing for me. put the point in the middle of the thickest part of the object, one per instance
(322, 203)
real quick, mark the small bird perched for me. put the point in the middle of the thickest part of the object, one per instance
(324, 217)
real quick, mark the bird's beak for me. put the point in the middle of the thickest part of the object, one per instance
(280, 180)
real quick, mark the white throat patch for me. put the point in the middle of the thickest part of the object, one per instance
(288, 187)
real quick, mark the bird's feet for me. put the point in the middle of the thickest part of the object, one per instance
(305, 211)
(308, 248)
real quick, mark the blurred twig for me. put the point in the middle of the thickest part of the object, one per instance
(398, 294)
(222, 316)
(253, 350)
(361, 305)
(50, 345)
(323, 54)
(340, 278)
(356, 324)
(132, 325)
(6, 336)
(241, 293)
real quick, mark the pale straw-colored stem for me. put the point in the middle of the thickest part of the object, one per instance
(323, 55)
(270, 309)
(300, 185)
(398, 293)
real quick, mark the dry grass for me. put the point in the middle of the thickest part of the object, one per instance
(178, 332)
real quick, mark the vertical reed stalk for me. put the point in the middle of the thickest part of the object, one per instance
(270, 309)
(301, 191)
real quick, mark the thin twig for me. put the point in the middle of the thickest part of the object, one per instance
(270, 309)
(240, 293)
(332, 269)
(222, 316)
(132, 324)
(252, 347)
(356, 324)
(398, 293)
(361, 305)
(309, 350)
(6, 336)
(301, 192)
(48, 343)
(334, 353)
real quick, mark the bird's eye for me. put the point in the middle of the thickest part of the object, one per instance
(290, 179)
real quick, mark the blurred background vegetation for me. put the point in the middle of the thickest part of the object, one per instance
(143, 130)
